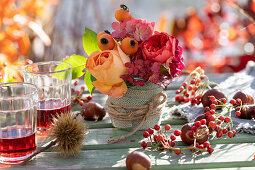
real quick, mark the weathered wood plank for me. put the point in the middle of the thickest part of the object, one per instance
(96, 139)
(231, 155)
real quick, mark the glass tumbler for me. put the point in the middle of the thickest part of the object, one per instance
(18, 110)
(53, 80)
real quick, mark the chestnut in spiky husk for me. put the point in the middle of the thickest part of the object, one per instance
(93, 111)
(202, 134)
(211, 92)
(246, 98)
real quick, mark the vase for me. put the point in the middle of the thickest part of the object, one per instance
(135, 97)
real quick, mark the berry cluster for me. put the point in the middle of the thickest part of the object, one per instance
(159, 139)
(192, 88)
(78, 98)
(220, 122)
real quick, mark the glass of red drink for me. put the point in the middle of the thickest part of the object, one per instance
(53, 80)
(18, 110)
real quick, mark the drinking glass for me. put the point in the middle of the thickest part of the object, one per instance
(18, 110)
(53, 80)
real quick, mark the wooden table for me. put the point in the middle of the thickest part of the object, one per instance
(96, 153)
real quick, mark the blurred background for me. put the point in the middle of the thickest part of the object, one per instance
(218, 35)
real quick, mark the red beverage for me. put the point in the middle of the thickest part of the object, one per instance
(16, 144)
(49, 109)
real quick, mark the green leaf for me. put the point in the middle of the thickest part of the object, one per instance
(88, 78)
(78, 65)
(90, 41)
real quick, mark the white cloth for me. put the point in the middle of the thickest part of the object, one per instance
(243, 80)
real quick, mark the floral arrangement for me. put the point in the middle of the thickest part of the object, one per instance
(133, 54)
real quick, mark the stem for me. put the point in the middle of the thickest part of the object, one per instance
(52, 143)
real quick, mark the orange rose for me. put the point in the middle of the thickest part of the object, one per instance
(107, 67)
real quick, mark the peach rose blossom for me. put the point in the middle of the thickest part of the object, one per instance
(107, 67)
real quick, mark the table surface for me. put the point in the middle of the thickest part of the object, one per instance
(96, 153)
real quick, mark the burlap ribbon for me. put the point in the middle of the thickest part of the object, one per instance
(142, 113)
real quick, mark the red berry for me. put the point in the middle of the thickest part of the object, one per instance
(213, 106)
(172, 143)
(238, 101)
(187, 95)
(75, 83)
(221, 118)
(225, 131)
(212, 98)
(150, 130)
(82, 88)
(181, 88)
(156, 127)
(206, 144)
(223, 101)
(190, 87)
(177, 152)
(203, 121)
(160, 137)
(194, 129)
(177, 98)
(186, 100)
(211, 118)
(184, 84)
(89, 98)
(72, 90)
(195, 88)
(146, 134)
(210, 150)
(155, 137)
(201, 147)
(198, 124)
(191, 134)
(207, 114)
(212, 124)
(81, 103)
(234, 132)
(144, 144)
(172, 137)
(218, 128)
(215, 102)
(193, 81)
(177, 133)
(193, 93)
(178, 91)
(219, 134)
(238, 113)
(181, 99)
(233, 101)
(199, 97)
(77, 92)
(207, 108)
(227, 119)
(167, 127)
(212, 112)
(230, 134)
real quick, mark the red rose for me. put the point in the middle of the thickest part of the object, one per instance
(161, 47)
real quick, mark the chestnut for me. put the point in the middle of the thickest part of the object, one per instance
(211, 92)
(247, 111)
(93, 111)
(246, 98)
(203, 134)
(138, 161)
